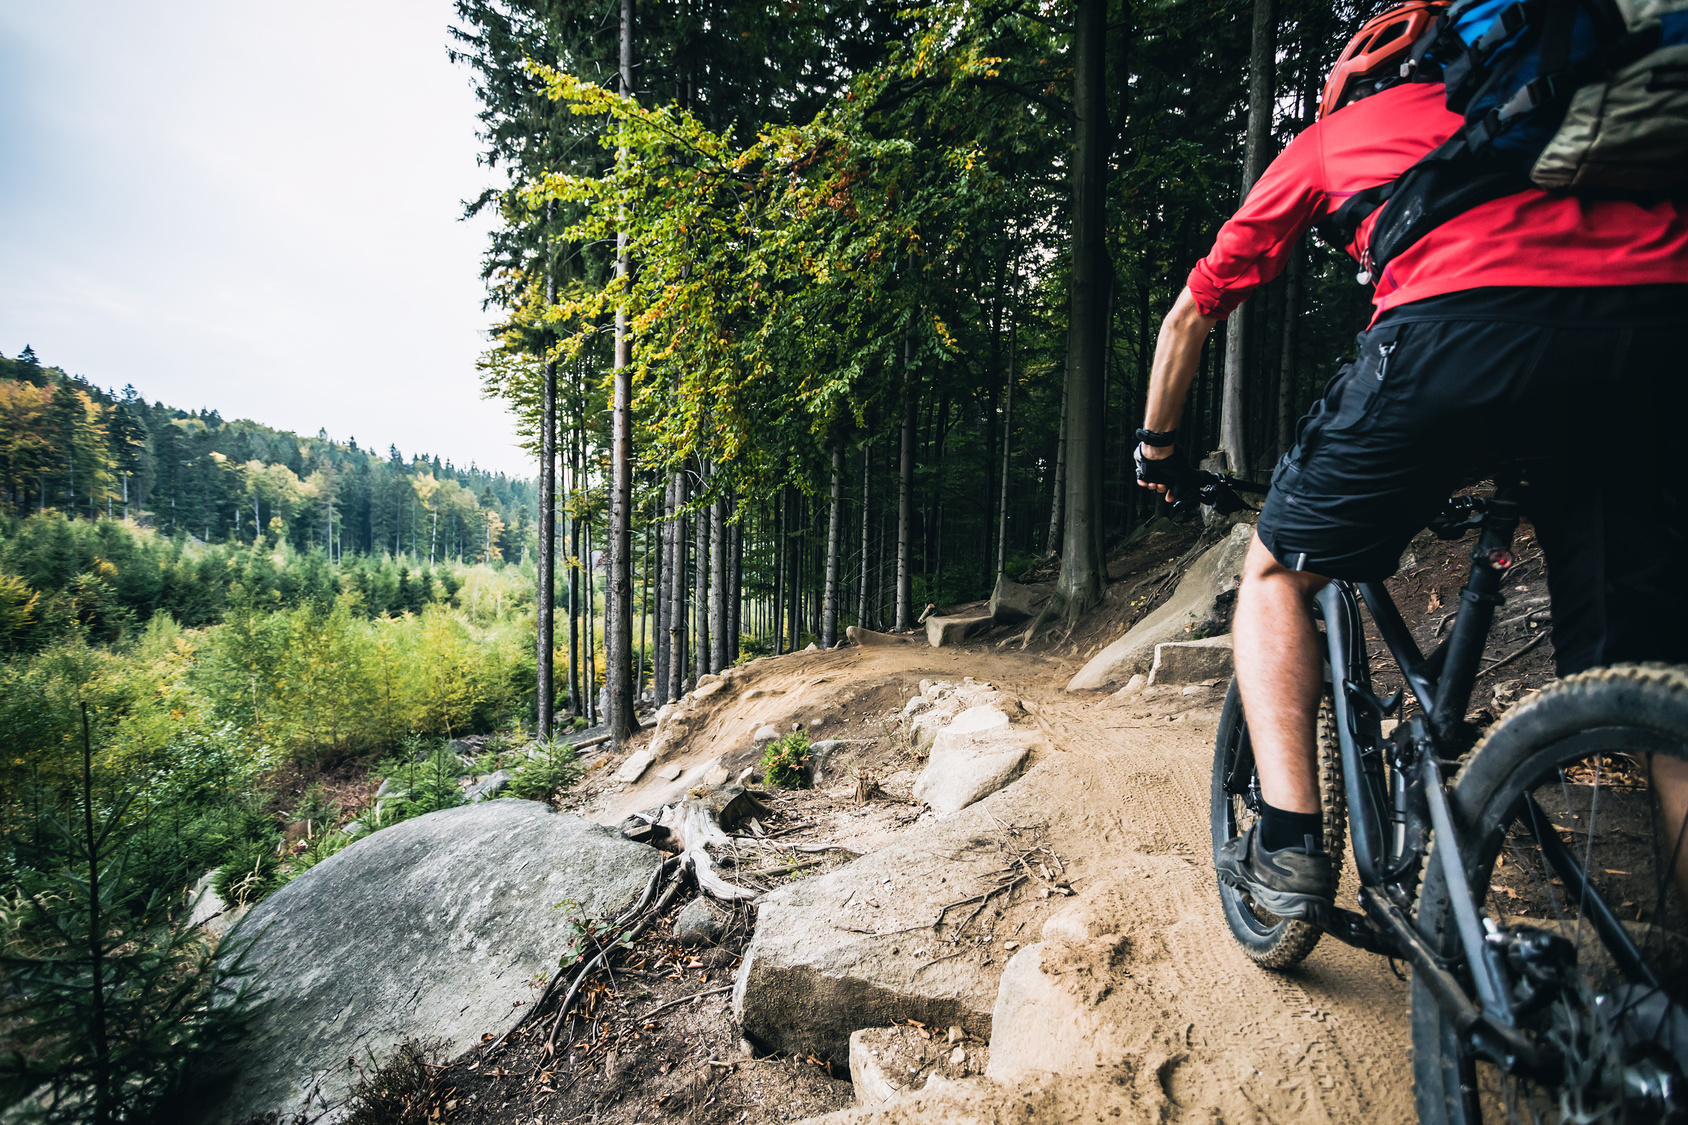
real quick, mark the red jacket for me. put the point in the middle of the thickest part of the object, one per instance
(1531, 238)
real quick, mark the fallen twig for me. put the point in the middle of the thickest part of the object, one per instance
(656, 911)
(686, 999)
(1539, 638)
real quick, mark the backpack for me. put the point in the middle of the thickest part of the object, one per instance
(1588, 97)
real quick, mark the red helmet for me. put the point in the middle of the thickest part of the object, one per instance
(1376, 52)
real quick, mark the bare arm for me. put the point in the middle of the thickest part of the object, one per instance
(1177, 351)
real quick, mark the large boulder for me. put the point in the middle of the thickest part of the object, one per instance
(1193, 603)
(431, 929)
(858, 947)
(975, 755)
(1011, 602)
(1192, 662)
(941, 631)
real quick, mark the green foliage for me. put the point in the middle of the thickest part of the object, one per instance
(428, 786)
(785, 763)
(751, 647)
(320, 847)
(108, 1003)
(74, 447)
(548, 767)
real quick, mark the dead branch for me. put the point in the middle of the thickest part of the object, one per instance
(1540, 637)
(685, 999)
(656, 912)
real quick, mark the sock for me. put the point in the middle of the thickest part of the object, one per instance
(1280, 829)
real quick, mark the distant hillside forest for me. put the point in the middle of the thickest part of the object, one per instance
(68, 445)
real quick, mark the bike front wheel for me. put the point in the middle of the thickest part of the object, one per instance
(1272, 942)
(1573, 852)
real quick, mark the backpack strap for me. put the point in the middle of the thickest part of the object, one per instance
(1344, 223)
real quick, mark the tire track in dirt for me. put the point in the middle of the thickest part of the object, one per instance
(1328, 1041)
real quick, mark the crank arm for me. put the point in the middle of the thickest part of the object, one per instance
(1357, 930)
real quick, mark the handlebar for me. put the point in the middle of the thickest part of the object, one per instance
(1215, 490)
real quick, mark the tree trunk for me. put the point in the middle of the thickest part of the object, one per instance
(664, 561)
(592, 715)
(1058, 493)
(735, 605)
(618, 593)
(1262, 67)
(1007, 444)
(577, 701)
(861, 598)
(719, 594)
(677, 592)
(780, 553)
(794, 620)
(905, 497)
(700, 587)
(1083, 569)
(547, 539)
(829, 604)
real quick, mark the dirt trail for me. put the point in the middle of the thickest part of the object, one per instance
(1328, 1042)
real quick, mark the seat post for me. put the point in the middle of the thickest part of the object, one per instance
(1491, 558)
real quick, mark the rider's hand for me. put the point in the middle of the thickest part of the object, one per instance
(1161, 469)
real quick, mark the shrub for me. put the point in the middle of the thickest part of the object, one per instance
(430, 785)
(109, 1002)
(401, 1092)
(549, 766)
(785, 762)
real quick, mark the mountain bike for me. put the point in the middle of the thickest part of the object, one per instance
(1528, 874)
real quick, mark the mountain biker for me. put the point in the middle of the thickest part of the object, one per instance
(1533, 326)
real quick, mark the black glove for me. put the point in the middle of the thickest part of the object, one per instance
(1172, 471)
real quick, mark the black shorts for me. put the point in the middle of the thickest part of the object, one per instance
(1590, 385)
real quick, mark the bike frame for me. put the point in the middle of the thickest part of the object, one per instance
(1395, 789)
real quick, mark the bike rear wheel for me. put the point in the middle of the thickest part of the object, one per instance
(1575, 762)
(1272, 942)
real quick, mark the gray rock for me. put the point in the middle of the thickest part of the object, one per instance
(489, 786)
(821, 752)
(634, 767)
(971, 758)
(670, 772)
(854, 948)
(1190, 662)
(461, 748)
(431, 928)
(699, 923)
(208, 911)
(1011, 602)
(1192, 603)
(942, 631)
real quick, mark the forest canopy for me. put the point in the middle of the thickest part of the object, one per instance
(862, 298)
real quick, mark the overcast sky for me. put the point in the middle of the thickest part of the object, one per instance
(253, 207)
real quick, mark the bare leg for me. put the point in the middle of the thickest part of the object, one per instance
(1670, 784)
(1280, 677)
